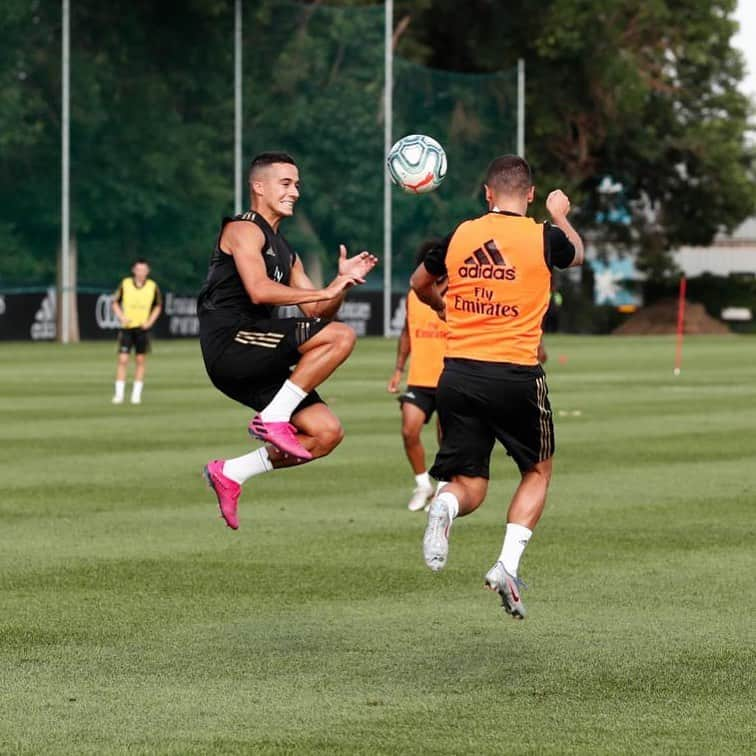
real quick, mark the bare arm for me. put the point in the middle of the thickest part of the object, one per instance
(402, 353)
(118, 311)
(353, 268)
(245, 242)
(423, 283)
(154, 315)
(558, 205)
(319, 309)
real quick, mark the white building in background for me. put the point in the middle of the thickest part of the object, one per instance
(728, 254)
(733, 253)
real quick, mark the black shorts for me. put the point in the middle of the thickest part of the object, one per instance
(479, 403)
(251, 361)
(422, 397)
(133, 338)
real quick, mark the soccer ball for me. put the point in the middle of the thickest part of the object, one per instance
(417, 163)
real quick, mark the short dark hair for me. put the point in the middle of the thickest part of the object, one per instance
(140, 261)
(509, 174)
(264, 159)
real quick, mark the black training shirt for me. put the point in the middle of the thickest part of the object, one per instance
(223, 292)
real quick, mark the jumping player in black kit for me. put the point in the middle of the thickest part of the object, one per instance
(249, 352)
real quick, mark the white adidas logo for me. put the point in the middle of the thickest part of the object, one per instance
(44, 327)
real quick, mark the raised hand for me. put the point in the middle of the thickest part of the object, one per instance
(356, 267)
(339, 285)
(558, 204)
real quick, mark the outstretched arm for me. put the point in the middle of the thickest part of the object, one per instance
(245, 242)
(353, 268)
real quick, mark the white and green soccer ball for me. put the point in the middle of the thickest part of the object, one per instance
(417, 163)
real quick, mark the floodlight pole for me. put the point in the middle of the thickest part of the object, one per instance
(521, 107)
(388, 115)
(65, 260)
(238, 106)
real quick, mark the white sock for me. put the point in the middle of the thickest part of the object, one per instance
(241, 469)
(440, 485)
(136, 391)
(423, 480)
(516, 539)
(120, 387)
(283, 403)
(451, 502)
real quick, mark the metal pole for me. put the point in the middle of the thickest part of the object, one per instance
(65, 262)
(388, 111)
(521, 107)
(238, 106)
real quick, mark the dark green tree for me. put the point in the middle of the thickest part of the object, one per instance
(151, 136)
(644, 92)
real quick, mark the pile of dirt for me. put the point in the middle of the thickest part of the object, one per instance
(661, 317)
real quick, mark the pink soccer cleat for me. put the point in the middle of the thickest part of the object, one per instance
(228, 491)
(281, 435)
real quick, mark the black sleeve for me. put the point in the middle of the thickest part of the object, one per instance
(558, 250)
(435, 260)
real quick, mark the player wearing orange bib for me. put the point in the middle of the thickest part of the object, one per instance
(492, 387)
(423, 341)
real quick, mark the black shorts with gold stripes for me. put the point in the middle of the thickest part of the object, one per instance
(250, 361)
(479, 403)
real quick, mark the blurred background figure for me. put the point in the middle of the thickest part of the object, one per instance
(423, 341)
(137, 303)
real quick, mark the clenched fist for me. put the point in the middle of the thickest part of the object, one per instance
(558, 204)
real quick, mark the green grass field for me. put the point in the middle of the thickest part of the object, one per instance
(133, 621)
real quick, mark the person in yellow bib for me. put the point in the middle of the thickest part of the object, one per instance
(422, 341)
(137, 303)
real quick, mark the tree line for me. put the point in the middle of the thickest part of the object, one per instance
(633, 108)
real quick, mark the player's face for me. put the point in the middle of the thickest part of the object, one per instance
(141, 271)
(279, 185)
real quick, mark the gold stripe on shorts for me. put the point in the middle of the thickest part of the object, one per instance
(256, 338)
(546, 447)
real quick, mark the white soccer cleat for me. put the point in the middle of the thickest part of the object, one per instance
(508, 587)
(117, 400)
(421, 496)
(136, 400)
(436, 539)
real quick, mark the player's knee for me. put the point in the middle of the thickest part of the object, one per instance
(410, 434)
(329, 436)
(342, 337)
